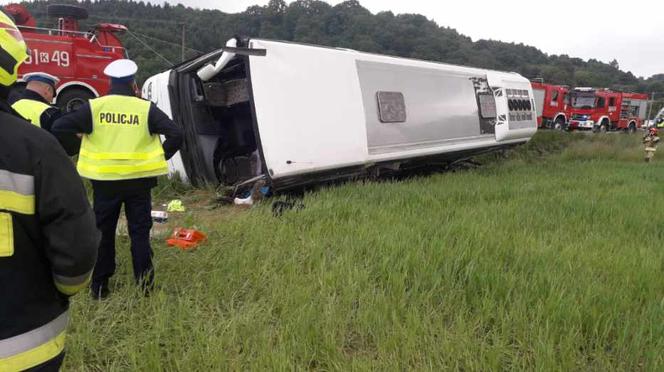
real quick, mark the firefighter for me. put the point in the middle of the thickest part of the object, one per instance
(650, 141)
(122, 156)
(33, 104)
(48, 239)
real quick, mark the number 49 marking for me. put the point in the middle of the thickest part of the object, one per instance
(58, 57)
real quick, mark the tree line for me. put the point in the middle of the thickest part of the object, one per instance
(347, 25)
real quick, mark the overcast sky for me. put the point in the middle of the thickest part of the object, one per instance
(630, 31)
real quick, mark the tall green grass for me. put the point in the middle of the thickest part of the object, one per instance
(549, 260)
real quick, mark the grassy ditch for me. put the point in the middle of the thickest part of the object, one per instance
(550, 259)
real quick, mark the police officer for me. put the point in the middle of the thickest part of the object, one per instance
(33, 104)
(122, 155)
(48, 238)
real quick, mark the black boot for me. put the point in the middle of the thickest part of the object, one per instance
(146, 282)
(99, 291)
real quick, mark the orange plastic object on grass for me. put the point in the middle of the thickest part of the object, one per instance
(186, 239)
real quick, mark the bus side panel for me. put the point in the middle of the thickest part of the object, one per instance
(432, 106)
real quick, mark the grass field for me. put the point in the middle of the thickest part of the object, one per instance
(550, 259)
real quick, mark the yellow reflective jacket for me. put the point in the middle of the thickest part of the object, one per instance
(120, 146)
(31, 110)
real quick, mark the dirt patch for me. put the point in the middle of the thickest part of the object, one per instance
(201, 208)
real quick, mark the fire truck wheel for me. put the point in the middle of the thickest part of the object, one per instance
(559, 124)
(66, 11)
(72, 99)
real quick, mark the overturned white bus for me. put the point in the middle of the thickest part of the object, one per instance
(293, 114)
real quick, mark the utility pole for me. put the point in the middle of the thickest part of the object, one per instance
(183, 33)
(652, 102)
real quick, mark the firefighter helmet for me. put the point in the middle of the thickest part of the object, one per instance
(13, 50)
(653, 130)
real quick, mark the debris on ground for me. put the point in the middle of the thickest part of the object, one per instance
(248, 201)
(176, 205)
(257, 192)
(159, 216)
(186, 239)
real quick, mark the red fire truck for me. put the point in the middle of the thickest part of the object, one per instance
(77, 57)
(551, 103)
(603, 110)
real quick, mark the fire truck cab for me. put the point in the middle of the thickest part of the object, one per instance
(551, 104)
(604, 110)
(76, 57)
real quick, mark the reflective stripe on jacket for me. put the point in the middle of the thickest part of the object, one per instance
(120, 146)
(31, 110)
(33, 348)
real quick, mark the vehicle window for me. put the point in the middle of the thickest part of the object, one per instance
(612, 101)
(601, 101)
(487, 105)
(583, 102)
(554, 96)
(391, 107)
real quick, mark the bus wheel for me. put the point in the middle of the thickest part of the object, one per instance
(72, 99)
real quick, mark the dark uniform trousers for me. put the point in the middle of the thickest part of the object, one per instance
(138, 207)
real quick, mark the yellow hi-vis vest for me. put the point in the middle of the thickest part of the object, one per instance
(120, 146)
(31, 110)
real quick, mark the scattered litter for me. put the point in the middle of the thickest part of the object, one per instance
(176, 206)
(186, 239)
(258, 192)
(159, 216)
(249, 201)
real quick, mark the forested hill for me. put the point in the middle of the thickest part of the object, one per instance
(346, 25)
